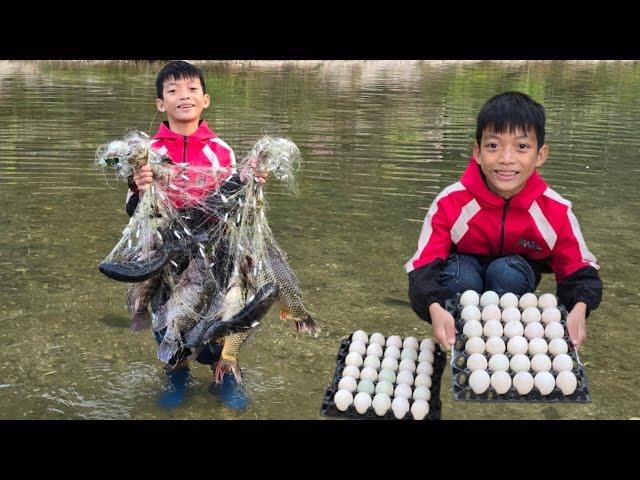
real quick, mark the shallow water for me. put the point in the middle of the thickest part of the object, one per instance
(379, 141)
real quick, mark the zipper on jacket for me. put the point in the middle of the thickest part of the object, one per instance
(184, 152)
(504, 218)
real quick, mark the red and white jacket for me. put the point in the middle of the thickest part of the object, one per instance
(203, 148)
(468, 218)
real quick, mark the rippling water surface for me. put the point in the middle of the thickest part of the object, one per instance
(379, 141)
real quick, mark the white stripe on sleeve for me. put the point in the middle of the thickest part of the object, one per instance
(224, 144)
(545, 228)
(461, 225)
(213, 158)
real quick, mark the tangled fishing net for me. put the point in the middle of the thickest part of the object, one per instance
(199, 251)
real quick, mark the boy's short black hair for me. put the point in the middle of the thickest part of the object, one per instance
(178, 70)
(511, 111)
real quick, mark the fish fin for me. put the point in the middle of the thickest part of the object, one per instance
(308, 325)
(225, 366)
(141, 321)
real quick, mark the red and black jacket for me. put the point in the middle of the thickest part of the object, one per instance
(537, 223)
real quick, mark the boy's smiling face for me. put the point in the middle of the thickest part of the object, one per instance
(508, 159)
(183, 100)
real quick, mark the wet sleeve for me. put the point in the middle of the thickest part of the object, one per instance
(425, 289)
(583, 285)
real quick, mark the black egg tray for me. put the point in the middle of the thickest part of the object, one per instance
(460, 374)
(435, 405)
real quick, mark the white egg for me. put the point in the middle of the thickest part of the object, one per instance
(547, 300)
(523, 381)
(566, 382)
(540, 363)
(534, 330)
(392, 351)
(419, 409)
(424, 367)
(369, 373)
(422, 392)
(473, 328)
(499, 363)
(489, 298)
(423, 380)
(390, 363)
(551, 314)
(530, 315)
(383, 386)
(513, 329)
(404, 377)
(476, 361)
(354, 358)
(517, 344)
(400, 407)
(501, 382)
(409, 353)
(362, 402)
(366, 385)
(381, 404)
(474, 345)
(361, 336)
(495, 345)
(374, 349)
(470, 312)
(537, 345)
(426, 356)
(528, 300)
(491, 312)
(519, 363)
(508, 300)
(493, 328)
(479, 381)
(408, 364)
(554, 330)
(558, 346)
(351, 371)
(377, 338)
(544, 382)
(358, 347)
(411, 342)
(510, 314)
(427, 344)
(372, 361)
(343, 398)
(394, 341)
(387, 374)
(562, 362)
(348, 383)
(470, 297)
(403, 390)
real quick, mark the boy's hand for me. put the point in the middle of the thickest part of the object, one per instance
(143, 177)
(250, 169)
(577, 325)
(444, 327)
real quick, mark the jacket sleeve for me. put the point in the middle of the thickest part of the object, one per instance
(575, 267)
(133, 196)
(434, 246)
(583, 285)
(425, 289)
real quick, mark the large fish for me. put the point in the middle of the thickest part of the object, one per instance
(289, 294)
(138, 297)
(184, 306)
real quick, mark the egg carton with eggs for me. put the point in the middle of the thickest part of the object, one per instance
(413, 398)
(563, 387)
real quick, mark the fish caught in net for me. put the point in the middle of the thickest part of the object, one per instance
(198, 249)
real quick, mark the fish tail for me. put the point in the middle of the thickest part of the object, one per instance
(309, 325)
(167, 349)
(141, 320)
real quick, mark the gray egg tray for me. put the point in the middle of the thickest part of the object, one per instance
(460, 374)
(435, 405)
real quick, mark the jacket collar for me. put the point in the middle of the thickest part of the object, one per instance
(203, 133)
(473, 180)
